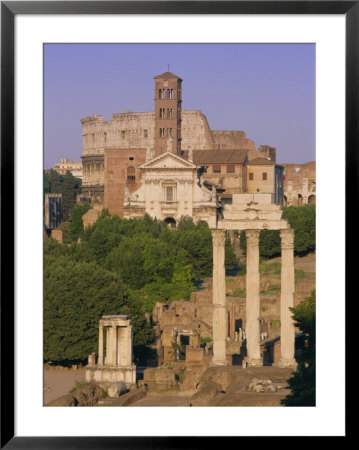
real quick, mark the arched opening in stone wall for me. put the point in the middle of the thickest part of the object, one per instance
(170, 222)
(311, 200)
(131, 175)
(300, 200)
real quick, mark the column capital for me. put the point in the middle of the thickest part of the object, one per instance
(218, 236)
(287, 237)
(252, 237)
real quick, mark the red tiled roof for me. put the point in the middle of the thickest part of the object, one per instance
(261, 162)
(167, 76)
(203, 157)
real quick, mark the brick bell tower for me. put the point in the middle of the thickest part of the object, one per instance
(168, 107)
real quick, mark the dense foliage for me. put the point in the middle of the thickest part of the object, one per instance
(67, 185)
(121, 266)
(77, 294)
(302, 383)
(302, 220)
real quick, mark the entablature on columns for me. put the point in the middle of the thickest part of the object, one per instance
(115, 321)
(243, 225)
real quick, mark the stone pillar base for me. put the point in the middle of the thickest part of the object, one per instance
(290, 363)
(219, 363)
(254, 362)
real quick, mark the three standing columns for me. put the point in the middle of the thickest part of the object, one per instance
(287, 330)
(220, 317)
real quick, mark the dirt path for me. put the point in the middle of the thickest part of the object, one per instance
(306, 263)
(59, 381)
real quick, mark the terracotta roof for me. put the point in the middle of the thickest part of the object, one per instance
(202, 157)
(261, 162)
(167, 76)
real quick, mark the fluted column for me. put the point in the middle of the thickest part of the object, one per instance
(253, 299)
(100, 345)
(220, 319)
(287, 330)
(113, 335)
(108, 359)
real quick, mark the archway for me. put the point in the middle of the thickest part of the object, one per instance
(300, 200)
(170, 222)
(311, 200)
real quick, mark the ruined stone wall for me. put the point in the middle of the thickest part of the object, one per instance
(93, 170)
(296, 172)
(300, 183)
(125, 130)
(232, 140)
(196, 133)
(117, 162)
(264, 151)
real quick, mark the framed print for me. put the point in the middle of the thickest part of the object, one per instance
(284, 72)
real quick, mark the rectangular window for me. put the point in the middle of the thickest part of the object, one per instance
(145, 133)
(264, 175)
(123, 134)
(231, 168)
(169, 194)
(250, 175)
(216, 169)
(162, 132)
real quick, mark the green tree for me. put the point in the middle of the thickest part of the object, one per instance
(197, 243)
(55, 182)
(231, 262)
(76, 223)
(127, 260)
(68, 195)
(269, 243)
(302, 383)
(101, 238)
(186, 223)
(76, 295)
(302, 221)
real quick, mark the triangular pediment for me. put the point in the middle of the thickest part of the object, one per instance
(168, 161)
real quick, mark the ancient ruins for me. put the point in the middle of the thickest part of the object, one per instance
(116, 364)
(169, 164)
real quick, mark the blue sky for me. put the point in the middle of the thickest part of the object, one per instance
(266, 90)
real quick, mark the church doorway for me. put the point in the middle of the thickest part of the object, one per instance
(170, 222)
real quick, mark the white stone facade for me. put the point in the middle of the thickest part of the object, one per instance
(171, 189)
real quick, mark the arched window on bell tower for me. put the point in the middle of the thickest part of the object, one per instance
(131, 175)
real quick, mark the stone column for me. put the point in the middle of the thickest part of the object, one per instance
(287, 330)
(113, 335)
(220, 318)
(100, 345)
(253, 299)
(108, 359)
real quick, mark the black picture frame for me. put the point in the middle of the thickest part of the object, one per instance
(9, 9)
